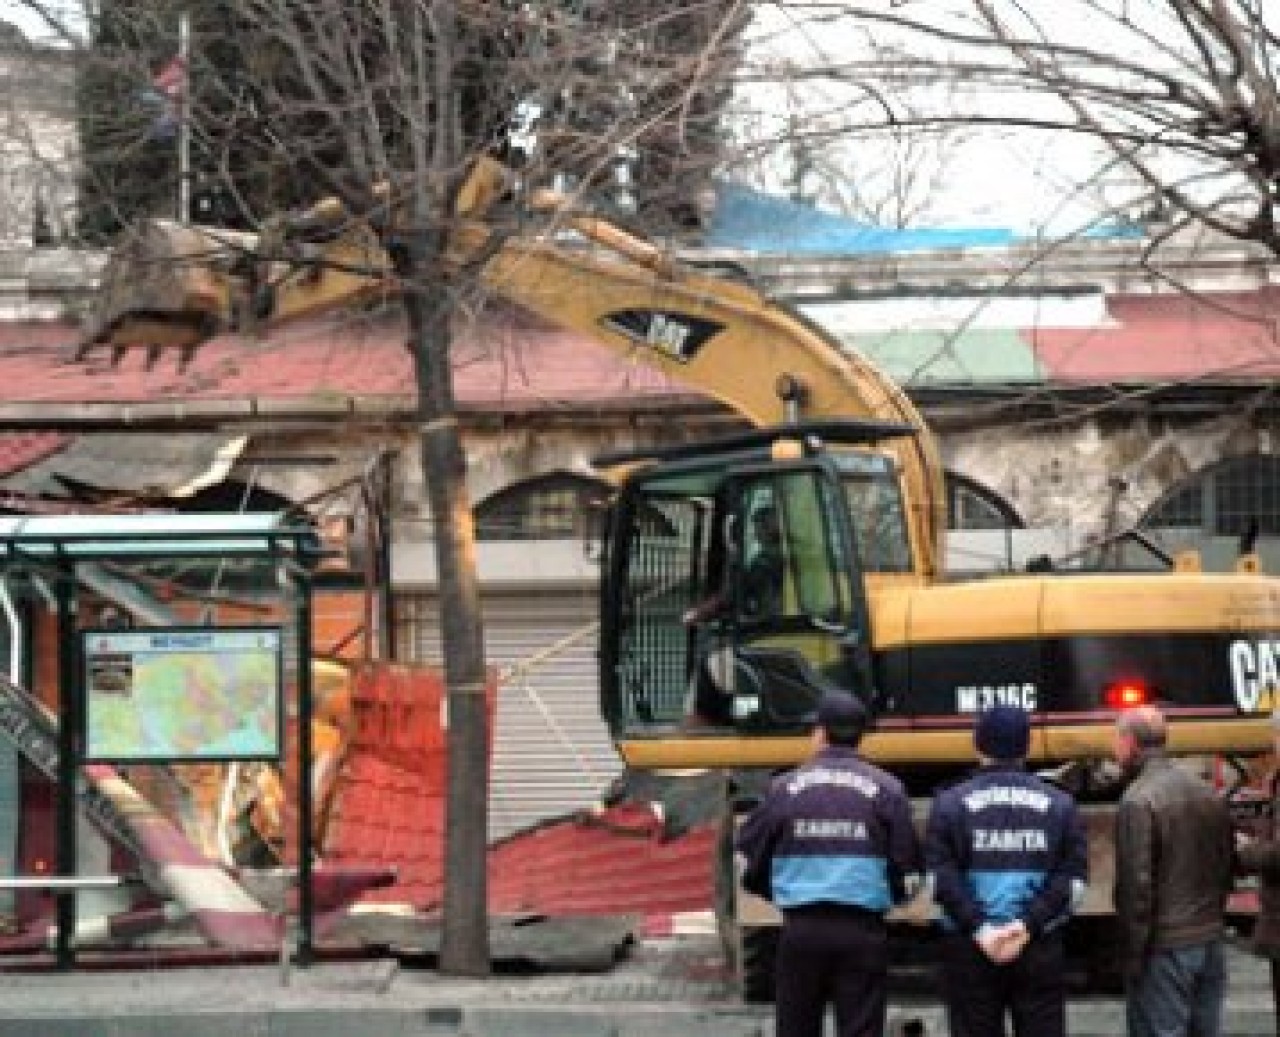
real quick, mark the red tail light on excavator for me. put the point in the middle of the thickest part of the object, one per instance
(1126, 694)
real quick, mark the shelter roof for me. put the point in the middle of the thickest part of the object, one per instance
(95, 536)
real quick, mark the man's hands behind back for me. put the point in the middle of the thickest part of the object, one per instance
(1002, 943)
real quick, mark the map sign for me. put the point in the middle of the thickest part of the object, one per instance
(182, 694)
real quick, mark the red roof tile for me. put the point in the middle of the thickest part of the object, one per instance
(389, 812)
(1213, 338)
(502, 367)
(616, 862)
(505, 365)
(19, 450)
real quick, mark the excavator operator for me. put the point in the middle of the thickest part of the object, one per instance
(762, 573)
(759, 597)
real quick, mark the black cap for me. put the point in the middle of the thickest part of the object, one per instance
(841, 715)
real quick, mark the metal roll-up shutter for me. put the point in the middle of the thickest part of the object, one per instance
(552, 753)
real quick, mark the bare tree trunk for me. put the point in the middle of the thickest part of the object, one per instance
(343, 99)
(465, 940)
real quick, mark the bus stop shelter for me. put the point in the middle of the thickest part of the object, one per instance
(109, 677)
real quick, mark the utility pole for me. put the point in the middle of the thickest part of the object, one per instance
(184, 120)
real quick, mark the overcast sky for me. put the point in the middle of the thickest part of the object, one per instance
(1022, 179)
(32, 25)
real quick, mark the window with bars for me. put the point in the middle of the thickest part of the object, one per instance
(972, 506)
(411, 615)
(1225, 499)
(549, 507)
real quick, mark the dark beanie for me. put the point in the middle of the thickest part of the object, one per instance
(1002, 733)
(841, 715)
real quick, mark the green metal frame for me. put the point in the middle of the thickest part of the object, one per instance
(57, 545)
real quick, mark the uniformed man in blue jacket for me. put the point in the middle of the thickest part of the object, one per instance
(1007, 858)
(833, 847)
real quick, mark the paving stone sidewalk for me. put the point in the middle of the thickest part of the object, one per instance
(665, 988)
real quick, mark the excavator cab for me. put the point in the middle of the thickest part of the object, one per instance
(733, 592)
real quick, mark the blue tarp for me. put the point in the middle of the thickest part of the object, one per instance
(754, 222)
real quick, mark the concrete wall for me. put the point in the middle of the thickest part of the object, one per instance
(302, 465)
(1090, 477)
(1069, 484)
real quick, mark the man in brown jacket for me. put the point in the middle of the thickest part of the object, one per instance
(1174, 862)
(1262, 858)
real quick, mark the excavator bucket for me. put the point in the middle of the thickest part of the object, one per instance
(167, 285)
(170, 285)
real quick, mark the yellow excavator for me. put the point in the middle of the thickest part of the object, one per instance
(839, 462)
(840, 454)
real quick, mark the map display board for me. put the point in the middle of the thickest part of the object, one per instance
(169, 694)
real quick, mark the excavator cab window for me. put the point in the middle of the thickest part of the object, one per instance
(811, 640)
(873, 497)
(737, 608)
(662, 559)
(788, 563)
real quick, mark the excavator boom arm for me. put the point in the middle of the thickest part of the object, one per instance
(175, 285)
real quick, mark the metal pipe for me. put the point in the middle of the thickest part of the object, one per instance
(10, 819)
(306, 799)
(69, 728)
(14, 622)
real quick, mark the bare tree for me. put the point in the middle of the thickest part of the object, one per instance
(892, 178)
(895, 181)
(1181, 94)
(796, 131)
(385, 105)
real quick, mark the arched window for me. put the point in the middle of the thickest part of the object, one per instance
(972, 506)
(1225, 499)
(549, 507)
